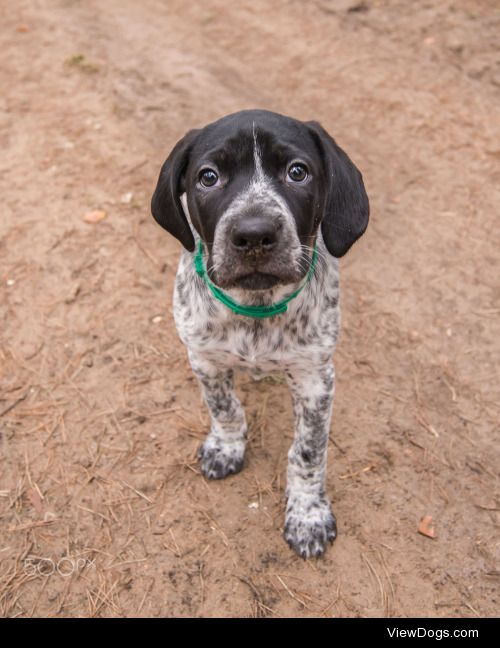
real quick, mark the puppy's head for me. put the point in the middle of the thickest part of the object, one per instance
(258, 185)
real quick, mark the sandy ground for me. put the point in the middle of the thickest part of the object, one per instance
(103, 510)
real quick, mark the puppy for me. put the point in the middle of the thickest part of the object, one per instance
(264, 205)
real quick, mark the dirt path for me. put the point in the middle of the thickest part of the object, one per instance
(100, 416)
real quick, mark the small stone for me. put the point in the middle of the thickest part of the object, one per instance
(126, 198)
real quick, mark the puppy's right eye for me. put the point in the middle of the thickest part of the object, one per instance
(208, 178)
(297, 172)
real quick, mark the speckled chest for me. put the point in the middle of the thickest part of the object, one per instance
(306, 334)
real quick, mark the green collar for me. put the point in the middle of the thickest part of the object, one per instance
(259, 312)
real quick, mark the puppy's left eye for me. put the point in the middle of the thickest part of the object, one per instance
(208, 177)
(297, 172)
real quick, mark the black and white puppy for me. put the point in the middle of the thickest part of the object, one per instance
(262, 191)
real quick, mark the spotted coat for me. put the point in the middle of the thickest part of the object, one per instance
(298, 343)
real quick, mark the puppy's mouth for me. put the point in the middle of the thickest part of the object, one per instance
(255, 274)
(254, 280)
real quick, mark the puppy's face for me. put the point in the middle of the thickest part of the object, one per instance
(254, 193)
(257, 186)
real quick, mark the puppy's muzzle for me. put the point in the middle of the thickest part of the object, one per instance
(255, 237)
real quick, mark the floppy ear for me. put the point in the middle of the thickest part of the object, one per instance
(346, 206)
(166, 205)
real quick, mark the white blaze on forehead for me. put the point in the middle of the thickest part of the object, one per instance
(261, 185)
(257, 158)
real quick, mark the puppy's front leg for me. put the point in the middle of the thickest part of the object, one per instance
(309, 522)
(223, 451)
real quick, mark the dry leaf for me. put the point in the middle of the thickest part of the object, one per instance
(95, 216)
(425, 527)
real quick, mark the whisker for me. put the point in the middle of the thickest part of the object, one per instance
(322, 259)
(308, 248)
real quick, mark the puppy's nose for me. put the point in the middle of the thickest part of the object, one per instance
(255, 235)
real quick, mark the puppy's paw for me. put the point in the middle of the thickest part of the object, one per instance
(309, 526)
(219, 460)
